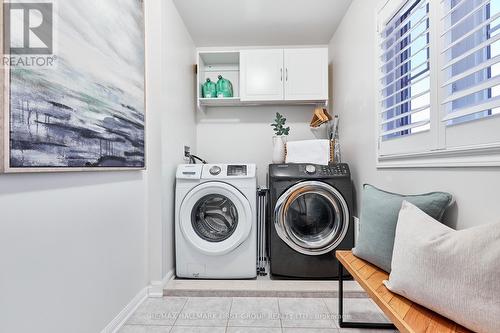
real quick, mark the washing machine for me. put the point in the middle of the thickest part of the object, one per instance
(215, 221)
(309, 218)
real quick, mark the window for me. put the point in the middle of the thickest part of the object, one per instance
(467, 52)
(439, 83)
(405, 78)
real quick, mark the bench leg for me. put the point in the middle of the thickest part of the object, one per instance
(345, 324)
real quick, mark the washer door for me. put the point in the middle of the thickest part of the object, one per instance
(312, 218)
(215, 218)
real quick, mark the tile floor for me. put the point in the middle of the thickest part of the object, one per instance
(249, 315)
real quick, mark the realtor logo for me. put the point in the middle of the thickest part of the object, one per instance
(28, 28)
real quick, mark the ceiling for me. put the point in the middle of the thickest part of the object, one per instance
(261, 22)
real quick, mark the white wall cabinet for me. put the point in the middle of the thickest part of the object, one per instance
(266, 76)
(299, 74)
(306, 74)
(261, 74)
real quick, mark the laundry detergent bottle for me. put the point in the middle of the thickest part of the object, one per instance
(209, 89)
(224, 88)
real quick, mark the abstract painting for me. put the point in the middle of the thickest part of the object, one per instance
(87, 111)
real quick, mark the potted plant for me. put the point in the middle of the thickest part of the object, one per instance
(280, 138)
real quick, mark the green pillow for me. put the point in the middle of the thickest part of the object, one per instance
(379, 217)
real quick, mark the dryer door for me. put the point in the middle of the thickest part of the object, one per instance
(312, 217)
(215, 218)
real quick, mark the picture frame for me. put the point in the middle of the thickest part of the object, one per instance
(6, 132)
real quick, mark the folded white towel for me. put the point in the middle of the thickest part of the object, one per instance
(309, 151)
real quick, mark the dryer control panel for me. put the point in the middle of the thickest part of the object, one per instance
(335, 170)
(307, 171)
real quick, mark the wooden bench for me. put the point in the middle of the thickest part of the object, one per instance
(407, 316)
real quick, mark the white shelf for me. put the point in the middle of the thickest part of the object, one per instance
(236, 101)
(210, 66)
(218, 70)
(220, 58)
(226, 101)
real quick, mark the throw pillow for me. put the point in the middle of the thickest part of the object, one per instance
(379, 216)
(453, 273)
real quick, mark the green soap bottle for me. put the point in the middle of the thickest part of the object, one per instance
(224, 88)
(209, 89)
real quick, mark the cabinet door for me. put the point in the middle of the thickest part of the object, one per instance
(261, 75)
(306, 74)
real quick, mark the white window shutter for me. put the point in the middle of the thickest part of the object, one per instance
(470, 72)
(404, 78)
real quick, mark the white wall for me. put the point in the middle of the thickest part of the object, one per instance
(352, 52)
(155, 107)
(244, 134)
(178, 116)
(72, 249)
(76, 248)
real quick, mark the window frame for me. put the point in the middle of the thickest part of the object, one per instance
(437, 154)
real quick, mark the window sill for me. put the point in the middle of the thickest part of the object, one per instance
(473, 157)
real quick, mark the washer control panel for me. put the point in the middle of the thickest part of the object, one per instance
(189, 171)
(237, 170)
(228, 171)
(215, 170)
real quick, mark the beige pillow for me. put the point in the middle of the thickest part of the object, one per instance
(453, 273)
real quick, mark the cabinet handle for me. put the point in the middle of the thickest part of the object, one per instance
(281, 71)
(286, 75)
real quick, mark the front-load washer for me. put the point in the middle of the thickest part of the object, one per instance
(309, 218)
(215, 221)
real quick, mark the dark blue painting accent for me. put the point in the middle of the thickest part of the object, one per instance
(88, 110)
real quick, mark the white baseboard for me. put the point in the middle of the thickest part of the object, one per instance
(156, 287)
(125, 314)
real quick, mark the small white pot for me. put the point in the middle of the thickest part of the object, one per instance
(279, 151)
